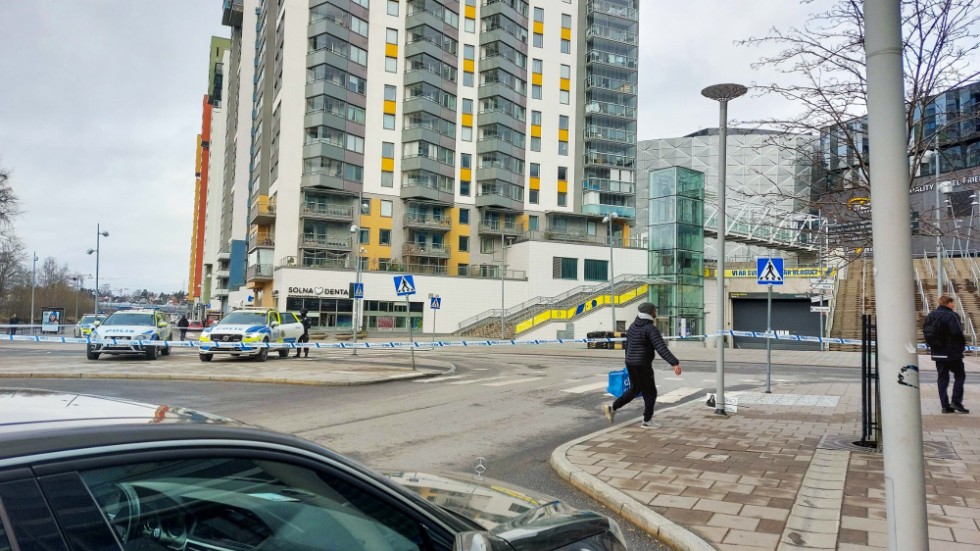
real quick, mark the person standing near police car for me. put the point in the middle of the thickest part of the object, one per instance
(643, 342)
(943, 332)
(305, 337)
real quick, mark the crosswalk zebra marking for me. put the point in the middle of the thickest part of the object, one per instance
(586, 388)
(513, 381)
(438, 379)
(476, 381)
(677, 394)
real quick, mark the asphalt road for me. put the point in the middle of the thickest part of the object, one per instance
(511, 409)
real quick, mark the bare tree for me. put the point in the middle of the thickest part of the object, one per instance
(8, 201)
(824, 64)
(11, 269)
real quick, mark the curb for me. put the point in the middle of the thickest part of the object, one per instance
(225, 378)
(662, 528)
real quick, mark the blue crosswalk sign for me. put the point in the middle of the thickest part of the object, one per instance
(435, 303)
(404, 285)
(358, 290)
(769, 270)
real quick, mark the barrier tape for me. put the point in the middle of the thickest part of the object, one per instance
(419, 344)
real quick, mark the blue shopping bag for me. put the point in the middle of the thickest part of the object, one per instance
(619, 382)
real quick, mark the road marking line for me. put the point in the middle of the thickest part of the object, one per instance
(438, 379)
(586, 388)
(677, 394)
(476, 381)
(513, 381)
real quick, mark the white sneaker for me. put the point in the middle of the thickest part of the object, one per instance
(609, 411)
(647, 424)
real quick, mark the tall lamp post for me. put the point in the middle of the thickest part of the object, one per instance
(99, 234)
(941, 188)
(612, 272)
(33, 285)
(722, 93)
(355, 230)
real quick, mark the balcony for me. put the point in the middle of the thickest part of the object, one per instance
(609, 159)
(612, 84)
(318, 211)
(610, 186)
(344, 263)
(613, 9)
(222, 274)
(593, 132)
(260, 239)
(604, 210)
(332, 242)
(494, 227)
(427, 193)
(609, 58)
(610, 109)
(232, 12)
(422, 250)
(262, 211)
(426, 222)
(609, 33)
(221, 292)
(324, 180)
(490, 198)
(259, 272)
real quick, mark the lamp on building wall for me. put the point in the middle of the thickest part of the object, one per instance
(722, 93)
(99, 234)
(612, 272)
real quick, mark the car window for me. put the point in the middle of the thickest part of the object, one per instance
(4, 541)
(129, 319)
(244, 504)
(288, 317)
(244, 318)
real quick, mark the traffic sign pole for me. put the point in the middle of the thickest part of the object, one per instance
(411, 337)
(769, 341)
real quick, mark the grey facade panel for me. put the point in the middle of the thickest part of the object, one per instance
(427, 164)
(418, 105)
(426, 193)
(498, 201)
(323, 181)
(494, 144)
(497, 117)
(320, 57)
(321, 149)
(420, 17)
(494, 173)
(431, 136)
(424, 47)
(324, 87)
(414, 77)
(322, 118)
(501, 62)
(497, 89)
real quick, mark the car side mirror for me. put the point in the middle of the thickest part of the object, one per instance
(274, 324)
(162, 324)
(96, 323)
(479, 541)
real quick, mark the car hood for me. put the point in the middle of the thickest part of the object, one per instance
(124, 330)
(237, 328)
(526, 519)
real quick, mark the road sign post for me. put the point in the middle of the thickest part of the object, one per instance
(434, 304)
(357, 293)
(769, 272)
(405, 287)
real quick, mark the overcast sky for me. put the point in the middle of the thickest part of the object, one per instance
(100, 106)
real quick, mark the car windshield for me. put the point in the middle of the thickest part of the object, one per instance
(87, 319)
(244, 318)
(129, 319)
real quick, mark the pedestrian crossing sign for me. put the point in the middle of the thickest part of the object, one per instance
(769, 271)
(435, 303)
(404, 285)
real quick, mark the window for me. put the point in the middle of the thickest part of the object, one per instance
(563, 97)
(537, 40)
(596, 270)
(464, 244)
(386, 207)
(388, 121)
(563, 122)
(564, 268)
(566, 46)
(536, 66)
(335, 507)
(533, 196)
(487, 245)
(365, 236)
(387, 179)
(535, 91)
(562, 173)
(464, 216)
(562, 147)
(469, 25)
(391, 92)
(384, 237)
(536, 118)
(467, 79)
(391, 36)
(468, 106)
(535, 143)
(391, 64)
(464, 188)
(393, 7)
(388, 150)
(566, 21)
(532, 223)
(562, 199)
(466, 134)
(465, 160)
(566, 71)
(535, 170)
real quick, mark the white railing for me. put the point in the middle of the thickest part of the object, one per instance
(928, 264)
(922, 293)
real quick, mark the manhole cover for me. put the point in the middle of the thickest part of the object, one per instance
(933, 449)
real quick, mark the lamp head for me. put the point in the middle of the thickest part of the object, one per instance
(354, 228)
(90, 251)
(104, 234)
(724, 92)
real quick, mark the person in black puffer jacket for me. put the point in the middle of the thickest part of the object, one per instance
(643, 341)
(943, 332)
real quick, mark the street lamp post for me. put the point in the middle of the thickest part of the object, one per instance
(503, 269)
(722, 93)
(612, 271)
(33, 285)
(99, 234)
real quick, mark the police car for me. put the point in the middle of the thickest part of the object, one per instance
(85, 325)
(238, 331)
(117, 334)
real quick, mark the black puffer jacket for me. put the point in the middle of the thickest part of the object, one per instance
(950, 342)
(642, 339)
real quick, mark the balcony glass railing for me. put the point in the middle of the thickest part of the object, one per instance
(611, 109)
(609, 33)
(426, 220)
(425, 249)
(329, 241)
(614, 84)
(333, 211)
(609, 159)
(603, 184)
(614, 9)
(609, 58)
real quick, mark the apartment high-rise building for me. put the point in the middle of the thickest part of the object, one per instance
(463, 141)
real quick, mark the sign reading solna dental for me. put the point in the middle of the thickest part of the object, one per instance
(317, 292)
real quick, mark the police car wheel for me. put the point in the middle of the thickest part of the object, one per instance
(263, 354)
(151, 352)
(165, 351)
(283, 352)
(205, 357)
(91, 354)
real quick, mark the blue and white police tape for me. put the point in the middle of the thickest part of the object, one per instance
(417, 344)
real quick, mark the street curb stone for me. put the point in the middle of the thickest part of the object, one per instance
(665, 530)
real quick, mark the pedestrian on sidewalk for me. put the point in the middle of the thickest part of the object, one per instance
(943, 332)
(643, 342)
(305, 337)
(183, 324)
(14, 322)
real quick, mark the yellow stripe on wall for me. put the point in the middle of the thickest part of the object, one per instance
(387, 165)
(563, 135)
(536, 78)
(539, 27)
(535, 183)
(536, 130)
(566, 34)
(562, 186)
(391, 50)
(389, 107)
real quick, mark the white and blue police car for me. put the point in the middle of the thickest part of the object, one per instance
(124, 332)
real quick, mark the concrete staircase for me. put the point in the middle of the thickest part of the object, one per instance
(487, 324)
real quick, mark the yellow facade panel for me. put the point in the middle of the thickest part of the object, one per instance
(387, 165)
(469, 65)
(537, 78)
(566, 34)
(565, 84)
(465, 175)
(470, 12)
(539, 27)
(535, 183)
(391, 50)
(389, 107)
(562, 186)
(536, 130)
(563, 135)
(467, 119)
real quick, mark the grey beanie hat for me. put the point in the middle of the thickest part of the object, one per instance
(647, 308)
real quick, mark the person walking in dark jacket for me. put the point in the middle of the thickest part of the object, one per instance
(183, 324)
(643, 342)
(14, 322)
(943, 332)
(307, 322)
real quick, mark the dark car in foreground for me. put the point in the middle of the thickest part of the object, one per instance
(95, 473)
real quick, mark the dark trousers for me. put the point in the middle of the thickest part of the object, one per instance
(303, 338)
(183, 334)
(641, 380)
(945, 367)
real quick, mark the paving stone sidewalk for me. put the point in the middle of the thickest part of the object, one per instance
(777, 475)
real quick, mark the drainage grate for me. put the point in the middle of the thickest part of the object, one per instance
(933, 449)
